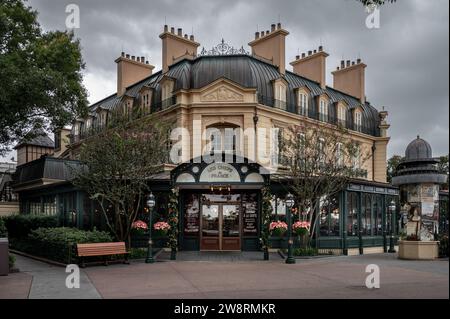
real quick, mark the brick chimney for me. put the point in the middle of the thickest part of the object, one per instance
(175, 45)
(312, 66)
(271, 46)
(350, 78)
(131, 69)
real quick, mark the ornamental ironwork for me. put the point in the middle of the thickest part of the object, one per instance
(223, 48)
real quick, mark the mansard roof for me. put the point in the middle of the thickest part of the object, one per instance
(245, 70)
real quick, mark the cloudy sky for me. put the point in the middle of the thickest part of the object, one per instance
(407, 57)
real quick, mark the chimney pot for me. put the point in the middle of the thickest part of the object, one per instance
(191, 37)
(133, 57)
(279, 25)
(315, 51)
(348, 63)
(272, 27)
(353, 62)
(267, 32)
(309, 52)
(257, 35)
(127, 56)
(166, 28)
(358, 61)
(320, 48)
(172, 30)
(262, 34)
(185, 36)
(337, 68)
(342, 64)
(297, 57)
(303, 55)
(146, 62)
(122, 54)
(143, 59)
(180, 32)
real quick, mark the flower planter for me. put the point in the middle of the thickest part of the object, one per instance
(418, 250)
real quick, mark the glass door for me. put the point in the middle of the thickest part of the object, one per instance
(230, 227)
(220, 227)
(210, 235)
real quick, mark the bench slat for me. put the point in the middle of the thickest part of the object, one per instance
(101, 249)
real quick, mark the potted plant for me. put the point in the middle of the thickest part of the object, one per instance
(139, 228)
(301, 228)
(161, 229)
(278, 228)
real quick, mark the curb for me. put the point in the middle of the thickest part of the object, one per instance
(41, 259)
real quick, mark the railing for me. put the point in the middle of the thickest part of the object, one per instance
(164, 104)
(327, 118)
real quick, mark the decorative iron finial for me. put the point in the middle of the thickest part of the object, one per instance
(223, 48)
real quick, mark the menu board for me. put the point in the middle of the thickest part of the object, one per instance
(250, 216)
(192, 216)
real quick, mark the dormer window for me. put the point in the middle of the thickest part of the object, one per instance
(280, 89)
(323, 109)
(167, 87)
(302, 103)
(341, 114)
(146, 97)
(357, 121)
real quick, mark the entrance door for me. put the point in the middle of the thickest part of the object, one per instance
(220, 227)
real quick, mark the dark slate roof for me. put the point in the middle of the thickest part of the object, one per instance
(249, 72)
(41, 140)
(418, 149)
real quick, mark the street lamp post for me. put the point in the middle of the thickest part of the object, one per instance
(150, 204)
(289, 204)
(392, 207)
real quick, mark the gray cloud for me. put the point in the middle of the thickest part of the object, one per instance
(407, 57)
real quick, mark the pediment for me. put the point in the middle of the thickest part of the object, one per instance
(222, 93)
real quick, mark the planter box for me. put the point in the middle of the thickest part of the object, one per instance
(418, 250)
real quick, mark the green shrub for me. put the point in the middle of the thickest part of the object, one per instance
(443, 245)
(58, 243)
(308, 251)
(3, 231)
(69, 235)
(137, 253)
(20, 226)
(12, 261)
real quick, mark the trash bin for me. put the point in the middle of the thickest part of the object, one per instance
(4, 257)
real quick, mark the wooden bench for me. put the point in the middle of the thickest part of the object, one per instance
(101, 249)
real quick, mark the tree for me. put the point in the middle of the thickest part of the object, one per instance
(40, 76)
(320, 162)
(391, 167)
(118, 163)
(443, 169)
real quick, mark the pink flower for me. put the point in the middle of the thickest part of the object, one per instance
(161, 226)
(139, 224)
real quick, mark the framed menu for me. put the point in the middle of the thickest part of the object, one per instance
(192, 216)
(249, 216)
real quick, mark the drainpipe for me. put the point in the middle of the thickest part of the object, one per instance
(374, 148)
(255, 123)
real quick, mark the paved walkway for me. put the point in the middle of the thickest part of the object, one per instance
(333, 277)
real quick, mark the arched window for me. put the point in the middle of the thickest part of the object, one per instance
(323, 110)
(223, 138)
(357, 121)
(302, 103)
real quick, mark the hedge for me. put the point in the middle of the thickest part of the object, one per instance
(3, 231)
(20, 226)
(58, 243)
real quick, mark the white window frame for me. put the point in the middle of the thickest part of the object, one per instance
(323, 110)
(357, 121)
(303, 103)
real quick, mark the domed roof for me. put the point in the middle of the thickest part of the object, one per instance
(418, 149)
